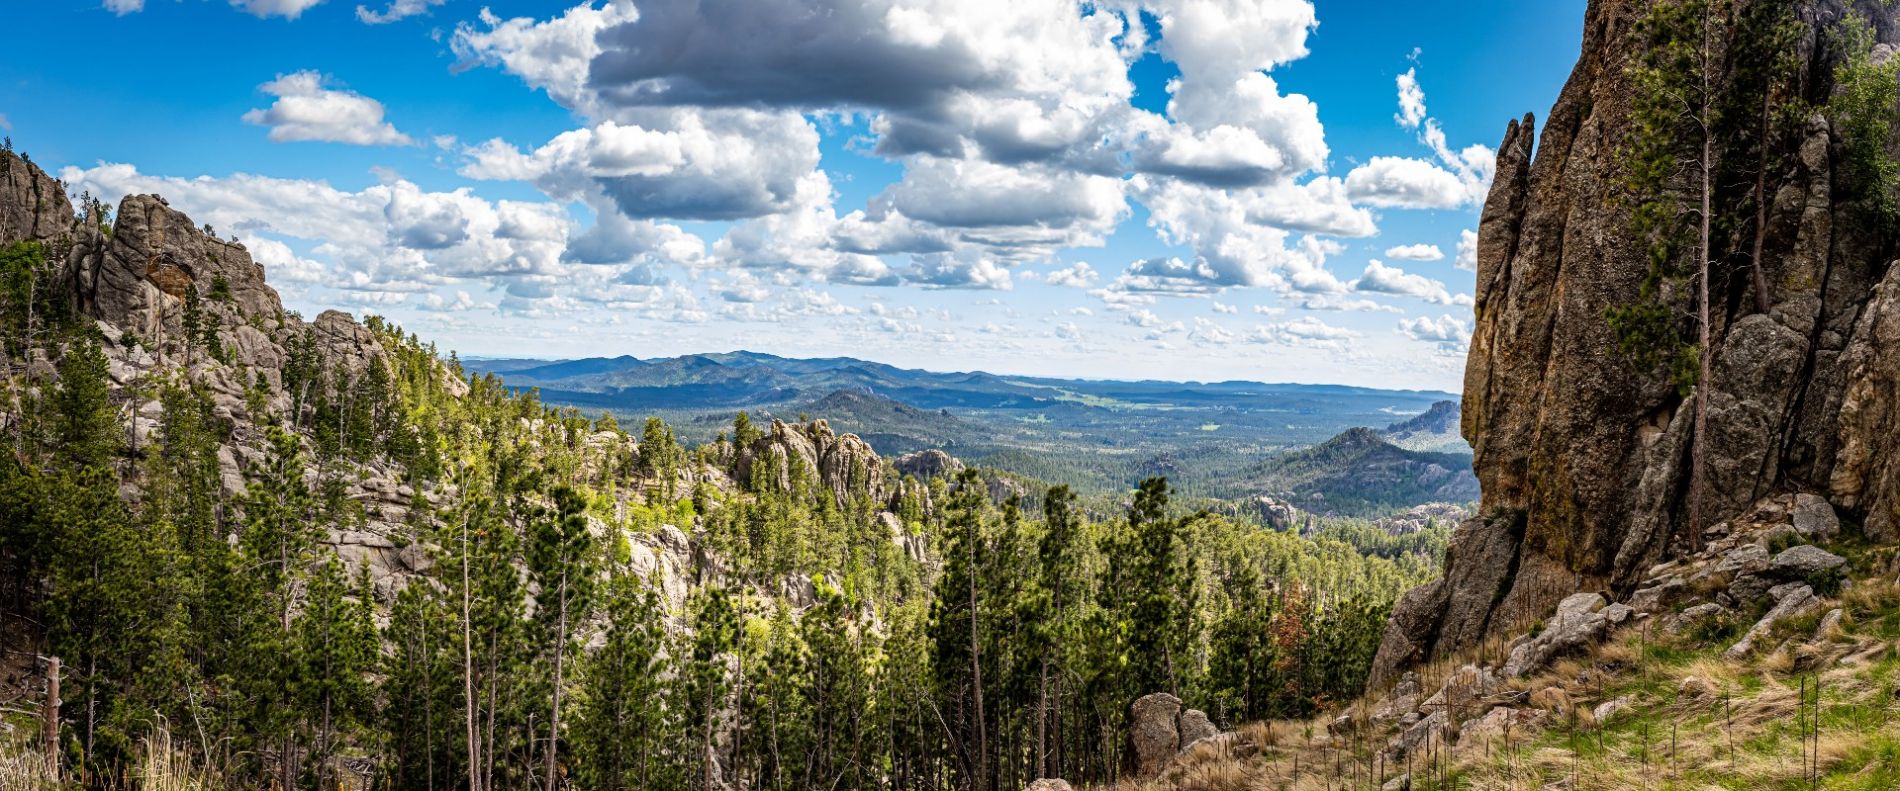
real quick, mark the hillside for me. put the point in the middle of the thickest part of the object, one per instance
(1765, 661)
(1358, 473)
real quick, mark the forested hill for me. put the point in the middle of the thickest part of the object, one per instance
(278, 552)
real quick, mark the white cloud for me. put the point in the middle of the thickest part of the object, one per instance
(1467, 251)
(1077, 275)
(390, 237)
(1381, 279)
(1334, 302)
(1415, 252)
(398, 9)
(1444, 328)
(948, 270)
(123, 7)
(1473, 166)
(1208, 332)
(1405, 183)
(677, 163)
(1220, 307)
(288, 9)
(306, 110)
(1303, 331)
(1411, 100)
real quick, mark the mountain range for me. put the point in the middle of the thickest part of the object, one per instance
(1209, 438)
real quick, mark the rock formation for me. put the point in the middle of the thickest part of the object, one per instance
(1584, 460)
(134, 279)
(844, 463)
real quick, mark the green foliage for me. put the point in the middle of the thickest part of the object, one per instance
(1862, 111)
(816, 643)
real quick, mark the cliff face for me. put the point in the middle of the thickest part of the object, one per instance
(1583, 460)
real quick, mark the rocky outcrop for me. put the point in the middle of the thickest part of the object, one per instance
(33, 205)
(1583, 458)
(137, 277)
(926, 464)
(842, 463)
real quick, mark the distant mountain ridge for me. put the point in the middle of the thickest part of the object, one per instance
(1097, 435)
(1359, 473)
(1436, 430)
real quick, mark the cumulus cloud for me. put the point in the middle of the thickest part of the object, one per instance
(1467, 251)
(1381, 279)
(1473, 166)
(306, 110)
(1405, 183)
(1303, 331)
(390, 237)
(1448, 333)
(397, 10)
(288, 9)
(947, 270)
(687, 165)
(1415, 252)
(1077, 275)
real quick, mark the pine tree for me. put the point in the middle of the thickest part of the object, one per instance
(334, 648)
(563, 562)
(620, 737)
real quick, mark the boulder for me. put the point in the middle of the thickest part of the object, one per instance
(1048, 784)
(1463, 692)
(1433, 727)
(1155, 731)
(1578, 623)
(1501, 722)
(1607, 710)
(1745, 559)
(1829, 625)
(1805, 562)
(1655, 597)
(1687, 619)
(1792, 600)
(1695, 688)
(1195, 726)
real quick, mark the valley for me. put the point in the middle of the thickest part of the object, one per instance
(1210, 440)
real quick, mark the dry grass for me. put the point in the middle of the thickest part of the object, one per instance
(24, 769)
(1747, 727)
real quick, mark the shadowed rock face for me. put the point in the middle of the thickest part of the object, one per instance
(36, 207)
(1584, 461)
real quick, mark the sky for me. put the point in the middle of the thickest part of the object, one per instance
(1269, 190)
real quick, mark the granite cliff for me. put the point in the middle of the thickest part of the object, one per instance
(1584, 458)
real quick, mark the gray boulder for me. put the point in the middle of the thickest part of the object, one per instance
(1815, 518)
(1792, 600)
(1195, 726)
(1155, 731)
(1805, 562)
(1578, 623)
(1689, 618)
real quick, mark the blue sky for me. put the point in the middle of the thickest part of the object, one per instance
(1184, 189)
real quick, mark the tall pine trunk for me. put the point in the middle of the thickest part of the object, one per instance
(468, 672)
(554, 720)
